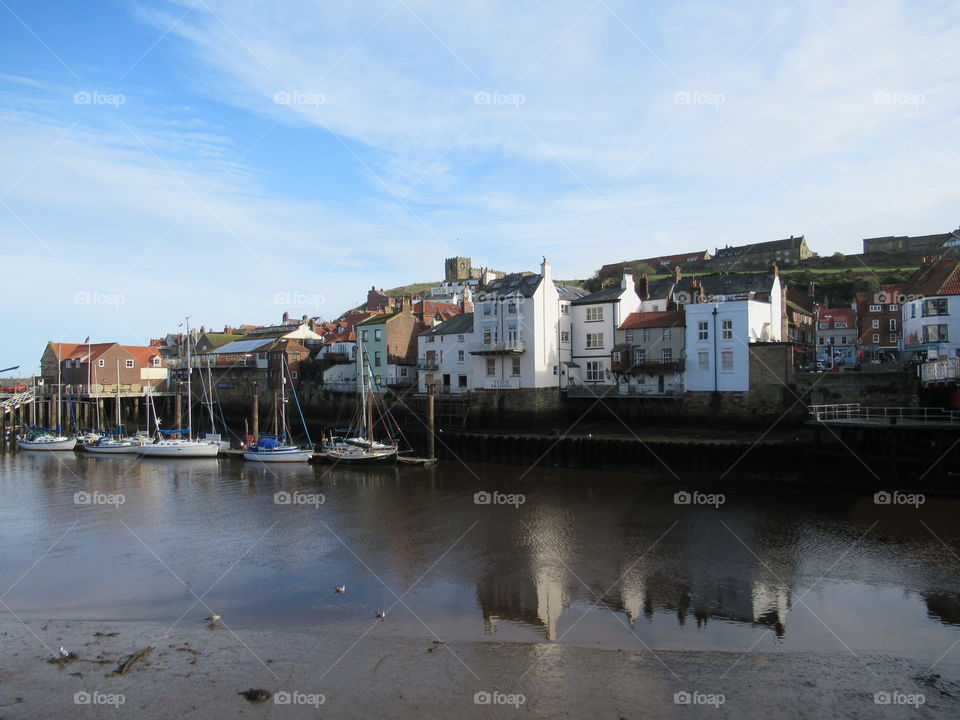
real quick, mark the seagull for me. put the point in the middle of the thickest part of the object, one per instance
(382, 615)
(341, 589)
(62, 652)
(213, 619)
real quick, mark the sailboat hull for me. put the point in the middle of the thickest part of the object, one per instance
(361, 457)
(65, 444)
(175, 449)
(118, 449)
(273, 456)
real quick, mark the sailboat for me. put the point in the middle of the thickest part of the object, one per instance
(270, 449)
(106, 445)
(181, 447)
(43, 439)
(363, 450)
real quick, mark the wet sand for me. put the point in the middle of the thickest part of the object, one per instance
(198, 672)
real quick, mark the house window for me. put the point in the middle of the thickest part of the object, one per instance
(702, 332)
(594, 340)
(156, 362)
(824, 325)
(646, 334)
(460, 356)
(913, 311)
(564, 309)
(893, 337)
(840, 325)
(489, 336)
(101, 363)
(937, 306)
(726, 361)
(876, 338)
(843, 340)
(727, 330)
(892, 308)
(403, 372)
(429, 338)
(293, 374)
(665, 334)
(376, 358)
(639, 356)
(876, 324)
(595, 314)
(893, 324)
(377, 335)
(876, 308)
(594, 371)
(491, 366)
(461, 381)
(363, 335)
(516, 367)
(821, 341)
(459, 338)
(629, 336)
(703, 361)
(935, 333)
(511, 308)
(128, 364)
(564, 336)
(666, 355)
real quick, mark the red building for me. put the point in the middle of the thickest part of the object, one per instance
(878, 319)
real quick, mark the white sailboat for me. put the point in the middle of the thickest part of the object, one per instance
(106, 445)
(46, 440)
(363, 450)
(269, 449)
(181, 447)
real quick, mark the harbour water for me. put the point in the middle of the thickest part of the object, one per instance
(606, 560)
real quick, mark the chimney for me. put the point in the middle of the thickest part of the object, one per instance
(774, 270)
(466, 303)
(676, 274)
(303, 320)
(644, 287)
(546, 270)
(626, 281)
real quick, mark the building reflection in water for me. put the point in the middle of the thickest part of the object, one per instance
(701, 571)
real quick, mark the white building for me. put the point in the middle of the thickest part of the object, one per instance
(931, 312)
(595, 319)
(520, 331)
(443, 357)
(718, 338)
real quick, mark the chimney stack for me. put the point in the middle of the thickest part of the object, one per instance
(644, 287)
(626, 281)
(676, 274)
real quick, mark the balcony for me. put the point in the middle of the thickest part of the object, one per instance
(940, 371)
(428, 363)
(648, 368)
(336, 357)
(507, 347)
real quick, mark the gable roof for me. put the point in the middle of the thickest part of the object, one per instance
(660, 319)
(242, 346)
(570, 292)
(939, 278)
(513, 284)
(604, 295)
(832, 316)
(730, 284)
(457, 325)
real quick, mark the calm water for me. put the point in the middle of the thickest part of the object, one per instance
(597, 559)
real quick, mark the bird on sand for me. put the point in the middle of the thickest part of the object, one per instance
(382, 615)
(341, 589)
(213, 619)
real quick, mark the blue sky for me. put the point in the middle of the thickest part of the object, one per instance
(231, 160)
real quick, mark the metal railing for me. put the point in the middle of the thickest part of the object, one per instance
(940, 370)
(507, 346)
(882, 415)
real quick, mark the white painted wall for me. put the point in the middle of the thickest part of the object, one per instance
(447, 349)
(613, 313)
(913, 322)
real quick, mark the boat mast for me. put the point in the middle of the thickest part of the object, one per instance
(213, 424)
(118, 399)
(369, 376)
(59, 388)
(189, 387)
(283, 394)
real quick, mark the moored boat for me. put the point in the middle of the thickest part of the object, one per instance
(46, 441)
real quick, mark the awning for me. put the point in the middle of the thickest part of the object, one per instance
(570, 364)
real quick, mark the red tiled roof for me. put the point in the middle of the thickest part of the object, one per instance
(940, 278)
(834, 315)
(144, 354)
(666, 318)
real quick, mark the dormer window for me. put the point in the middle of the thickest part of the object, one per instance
(156, 362)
